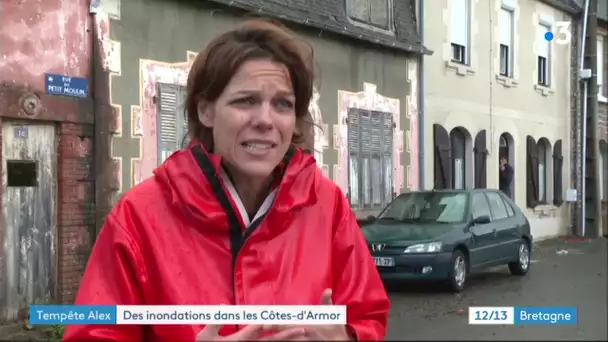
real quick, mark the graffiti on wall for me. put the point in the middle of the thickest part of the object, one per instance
(368, 99)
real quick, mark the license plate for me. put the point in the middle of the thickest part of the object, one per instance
(384, 261)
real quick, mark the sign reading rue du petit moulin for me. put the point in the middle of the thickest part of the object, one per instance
(66, 85)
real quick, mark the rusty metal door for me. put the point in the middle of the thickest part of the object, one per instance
(27, 260)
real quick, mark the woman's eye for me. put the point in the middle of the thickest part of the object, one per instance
(285, 104)
(246, 101)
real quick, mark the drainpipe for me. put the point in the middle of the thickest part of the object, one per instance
(595, 211)
(421, 101)
(583, 215)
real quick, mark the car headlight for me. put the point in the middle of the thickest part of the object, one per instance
(431, 247)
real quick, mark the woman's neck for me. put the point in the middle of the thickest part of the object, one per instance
(252, 192)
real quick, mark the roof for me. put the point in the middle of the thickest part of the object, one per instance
(602, 10)
(573, 7)
(331, 16)
(578, 6)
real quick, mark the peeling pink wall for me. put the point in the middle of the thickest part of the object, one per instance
(144, 127)
(43, 36)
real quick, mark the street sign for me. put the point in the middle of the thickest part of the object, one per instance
(66, 85)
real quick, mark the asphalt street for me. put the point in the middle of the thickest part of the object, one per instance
(578, 278)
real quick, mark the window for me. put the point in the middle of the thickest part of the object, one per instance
(604, 169)
(370, 152)
(601, 73)
(605, 172)
(506, 175)
(497, 206)
(542, 172)
(479, 206)
(480, 152)
(459, 29)
(21, 173)
(458, 159)
(377, 13)
(558, 163)
(510, 211)
(436, 207)
(506, 42)
(171, 123)
(543, 57)
(453, 157)
(539, 170)
(531, 172)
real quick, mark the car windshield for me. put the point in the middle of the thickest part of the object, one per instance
(427, 207)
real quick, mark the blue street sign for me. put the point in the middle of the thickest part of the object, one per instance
(66, 85)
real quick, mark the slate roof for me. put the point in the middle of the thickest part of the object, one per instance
(330, 15)
(602, 10)
(573, 7)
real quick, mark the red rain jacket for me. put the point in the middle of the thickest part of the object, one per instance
(168, 241)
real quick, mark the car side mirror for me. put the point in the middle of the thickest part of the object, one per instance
(371, 218)
(483, 219)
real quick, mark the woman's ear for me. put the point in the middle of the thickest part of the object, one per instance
(205, 114)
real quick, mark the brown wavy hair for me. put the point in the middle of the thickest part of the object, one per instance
(255, 39)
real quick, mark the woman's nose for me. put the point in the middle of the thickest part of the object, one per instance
(263, 116)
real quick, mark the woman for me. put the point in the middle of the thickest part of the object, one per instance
(241, 216)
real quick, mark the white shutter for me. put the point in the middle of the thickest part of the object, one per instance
(459, 22)
(543, 44)
(600, 64)
(506, 27)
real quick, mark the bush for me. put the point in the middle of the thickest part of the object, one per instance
(56, 332)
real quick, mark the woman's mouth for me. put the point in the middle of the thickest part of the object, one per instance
(258, 145)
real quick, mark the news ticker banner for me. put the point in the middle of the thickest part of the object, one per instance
(275, 314)
(519, 315)
(186, 314)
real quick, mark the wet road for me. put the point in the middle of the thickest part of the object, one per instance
(574, 279)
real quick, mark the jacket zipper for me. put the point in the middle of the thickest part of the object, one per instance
(237, 237)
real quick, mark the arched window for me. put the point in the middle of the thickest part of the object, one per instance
(503, 149)
(458, 144)
(543, 169)
(506, 175)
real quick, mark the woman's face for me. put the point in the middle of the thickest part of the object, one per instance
(254, 118)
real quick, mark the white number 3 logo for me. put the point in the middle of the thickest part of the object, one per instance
(563, 35)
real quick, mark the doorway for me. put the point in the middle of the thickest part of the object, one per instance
(29, 217)
(507, 150)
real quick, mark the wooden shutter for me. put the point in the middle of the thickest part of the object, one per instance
(386, 128)
(354, 158)
(481, 157)
(370, 147)
(443, 159)
(170, 121)
(532, 172)
(184, 139)
(558, 162)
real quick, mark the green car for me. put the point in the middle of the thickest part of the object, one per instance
(444, 235)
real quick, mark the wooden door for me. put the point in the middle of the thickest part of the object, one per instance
(29, 217)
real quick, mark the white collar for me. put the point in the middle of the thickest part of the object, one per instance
(239, 203)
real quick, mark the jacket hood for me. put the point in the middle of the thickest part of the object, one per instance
(185, 177)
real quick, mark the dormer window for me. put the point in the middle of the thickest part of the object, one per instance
(373, 13)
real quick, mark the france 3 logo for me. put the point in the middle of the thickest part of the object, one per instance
(562, 35)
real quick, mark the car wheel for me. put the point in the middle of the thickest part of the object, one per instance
(458, 272)
(522, 265)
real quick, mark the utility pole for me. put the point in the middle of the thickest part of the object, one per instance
(590, 174)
